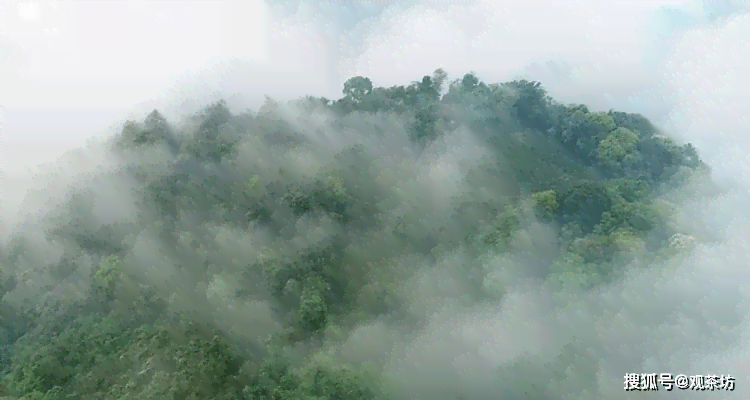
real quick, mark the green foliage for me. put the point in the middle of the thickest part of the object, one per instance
(276, 379)
(71, 360)
(617, 145)
(96, 357)
(634, 122)
(531, 105)
(636, 215)
(357, 88)
(328, 194)
(109, 273)
(154, 129)
(600, 122)
(425, 125)
(182, 364)
(546, 202)
(572, 272)
(340, 382)
(585, 202)
(506, 224)
(214, 137)
(322, 235)
(305, 287)
(629, 189)
(628, 241)
(439, 77)
(313, 309)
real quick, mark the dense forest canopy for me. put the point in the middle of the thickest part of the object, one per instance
(275, 254)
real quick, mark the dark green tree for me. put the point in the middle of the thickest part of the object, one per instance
(356, 88)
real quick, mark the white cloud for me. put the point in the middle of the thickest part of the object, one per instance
(29, 11)
(585, 53)
(708, 72)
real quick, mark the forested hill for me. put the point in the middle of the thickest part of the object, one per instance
(240, 256)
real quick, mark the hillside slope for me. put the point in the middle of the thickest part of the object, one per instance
(238, 256)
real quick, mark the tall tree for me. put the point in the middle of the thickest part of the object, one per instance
(356, 88)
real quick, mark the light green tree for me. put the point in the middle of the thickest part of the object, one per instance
(617, 145)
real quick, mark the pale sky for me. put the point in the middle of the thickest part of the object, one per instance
(71, 69)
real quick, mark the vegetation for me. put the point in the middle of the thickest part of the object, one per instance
(260, 242)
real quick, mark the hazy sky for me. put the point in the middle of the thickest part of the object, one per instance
(70, 69)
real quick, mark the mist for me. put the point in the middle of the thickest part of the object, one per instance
(433, 316)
